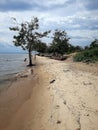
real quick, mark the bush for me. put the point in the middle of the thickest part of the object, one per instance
(90, 55)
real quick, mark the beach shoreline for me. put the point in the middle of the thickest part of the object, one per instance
(11, 97)
(7, 79)
(53, 95)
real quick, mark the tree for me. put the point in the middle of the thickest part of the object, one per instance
(78, 48)
(94, 44)
(71, 49)
(41, 47)
(60, 43)
(86, 47)
(27, 36)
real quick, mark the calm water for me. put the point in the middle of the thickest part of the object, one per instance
(11, 64)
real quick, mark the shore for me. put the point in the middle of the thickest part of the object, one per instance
(54, 95)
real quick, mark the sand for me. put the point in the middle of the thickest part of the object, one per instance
(56, 95)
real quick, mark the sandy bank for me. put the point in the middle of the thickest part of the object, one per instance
(58, 96)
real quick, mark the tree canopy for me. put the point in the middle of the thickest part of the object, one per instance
(60, 42)
(27, 35)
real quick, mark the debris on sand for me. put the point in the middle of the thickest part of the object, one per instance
(52, 81)
(58, 122)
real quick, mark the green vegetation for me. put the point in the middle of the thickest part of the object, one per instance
(27, 36)
(89, 54)
(59, 43)
(29, 39)
(41, 47)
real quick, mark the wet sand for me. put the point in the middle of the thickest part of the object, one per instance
(58, 95)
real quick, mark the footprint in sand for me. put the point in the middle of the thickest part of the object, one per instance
(40, 113)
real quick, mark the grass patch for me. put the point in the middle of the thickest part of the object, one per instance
(90, 55)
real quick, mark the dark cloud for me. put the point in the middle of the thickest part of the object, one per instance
(15, 6)
(58, 5)
(91, 4)
(20, 5)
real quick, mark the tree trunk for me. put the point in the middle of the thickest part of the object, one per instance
(30, 58)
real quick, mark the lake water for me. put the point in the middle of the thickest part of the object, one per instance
(10, 64)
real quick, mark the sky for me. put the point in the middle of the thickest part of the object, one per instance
(79, 18)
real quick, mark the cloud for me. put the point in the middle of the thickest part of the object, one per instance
(76, 22)
(82, 37)
(91, 4)
(78, 18)
(14, 5)
(50, 4)
(23, 5)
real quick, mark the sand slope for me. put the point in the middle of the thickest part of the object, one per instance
(58, 96)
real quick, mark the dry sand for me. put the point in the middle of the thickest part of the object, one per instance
(59, 95)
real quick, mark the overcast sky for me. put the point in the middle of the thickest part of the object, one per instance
(79, 18)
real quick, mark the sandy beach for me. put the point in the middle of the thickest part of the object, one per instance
(54, 95)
